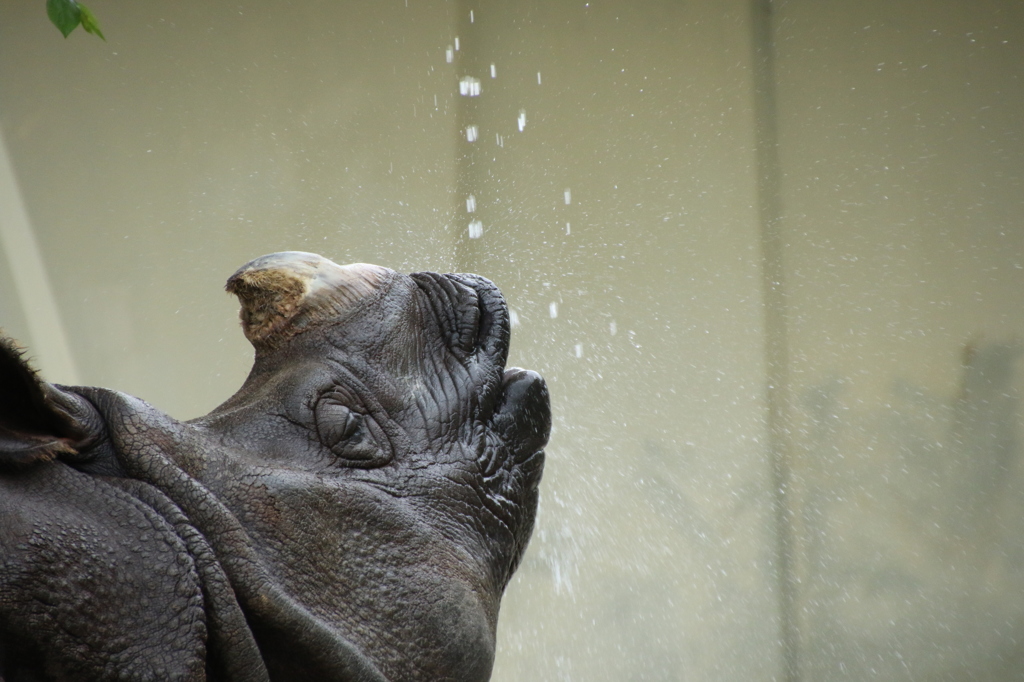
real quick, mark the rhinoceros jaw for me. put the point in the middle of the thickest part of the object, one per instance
(284, 293)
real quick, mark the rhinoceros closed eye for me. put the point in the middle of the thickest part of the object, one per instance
(350, 435)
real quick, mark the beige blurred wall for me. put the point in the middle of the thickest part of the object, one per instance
(626, 223)
(901, 144)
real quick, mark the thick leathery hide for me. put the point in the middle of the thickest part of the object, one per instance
(352, 513)
(96, 580)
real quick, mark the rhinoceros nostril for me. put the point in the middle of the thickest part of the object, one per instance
(456, 306)
(491, 321)
(467, 327)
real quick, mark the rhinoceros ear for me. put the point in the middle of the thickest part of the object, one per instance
(38, 421)
(284, 293)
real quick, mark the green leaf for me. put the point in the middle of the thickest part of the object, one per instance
(65, 15)
(89, 22)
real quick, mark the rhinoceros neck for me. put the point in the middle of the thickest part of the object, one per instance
(172, 457)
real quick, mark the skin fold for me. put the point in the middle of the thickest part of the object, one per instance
(353, 512)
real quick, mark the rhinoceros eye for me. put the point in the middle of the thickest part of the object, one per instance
(344, 432)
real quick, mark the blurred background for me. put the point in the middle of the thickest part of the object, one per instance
(768, 255)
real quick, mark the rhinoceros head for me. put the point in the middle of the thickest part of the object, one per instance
(353, 512)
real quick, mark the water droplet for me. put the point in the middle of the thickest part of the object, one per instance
(476, 229)
(449, 54)
(494, 71)
(568, 229)
(568, 197)
(538, 78)
(471, 133)
(456, 43)
(513, 317)
(613, 328)
(522, 119)
(469, 86)
(471, 16)
(470, 204)
(553, 310)
(579, 350)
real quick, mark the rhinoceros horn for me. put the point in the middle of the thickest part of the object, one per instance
(285, 293)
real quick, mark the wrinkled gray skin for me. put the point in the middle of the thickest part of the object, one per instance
(352, 513)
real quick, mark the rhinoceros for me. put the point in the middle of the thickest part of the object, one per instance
(354, 512)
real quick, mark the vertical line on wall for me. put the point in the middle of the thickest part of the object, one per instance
(776, 340)
(49, 342)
